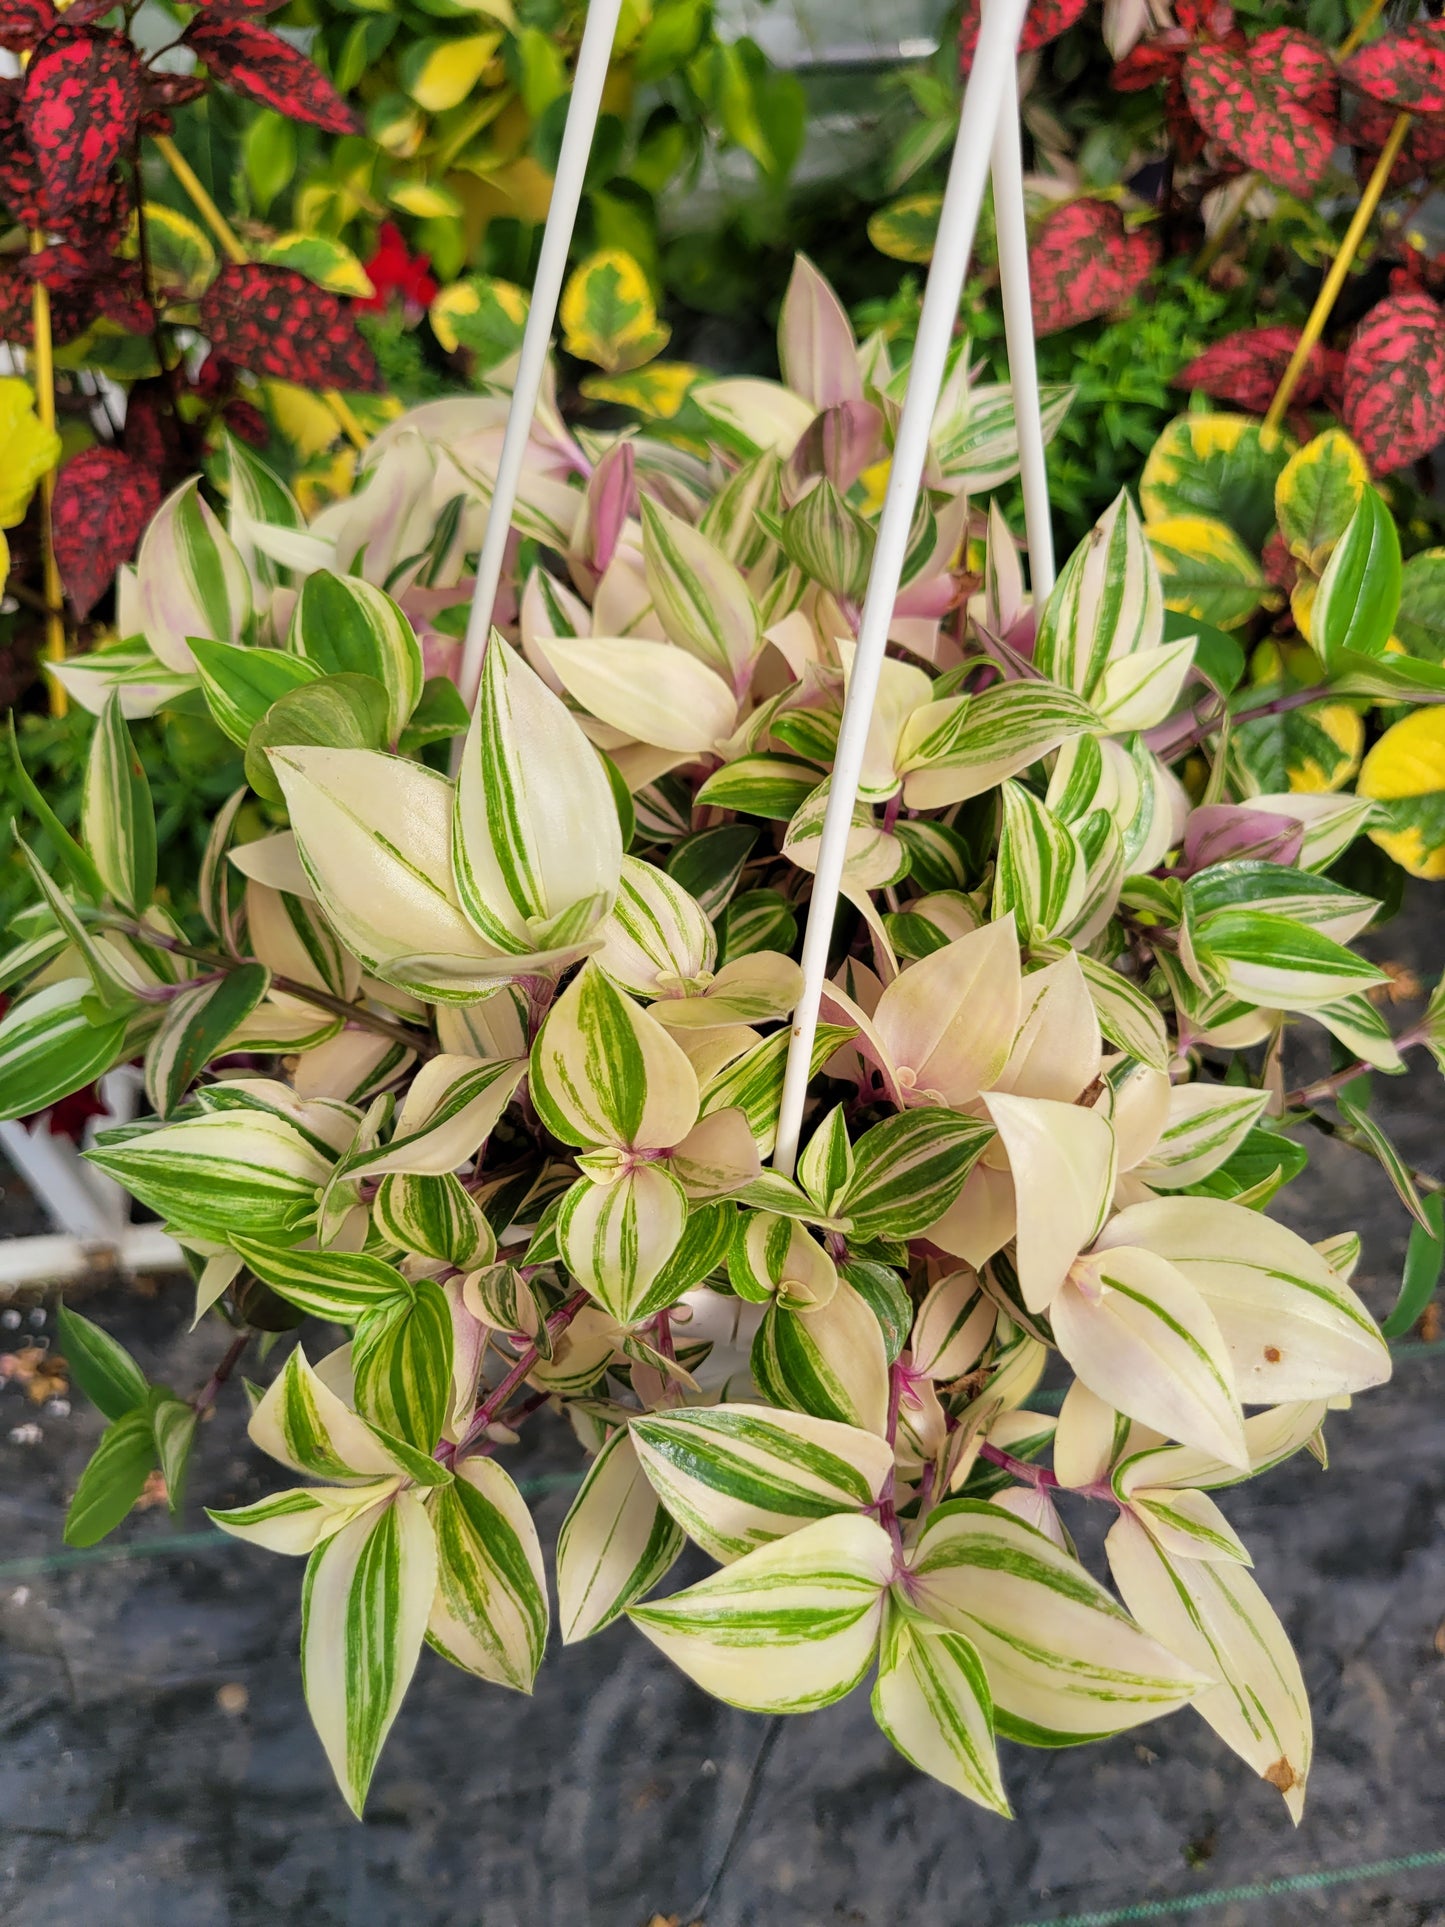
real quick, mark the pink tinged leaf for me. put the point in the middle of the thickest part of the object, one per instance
(1394, 384)
(103, 501)
(1084, 262)
(1255, 113)
(840, 444)
(817, 352)
(1232, 833)
(611, 499)
(1246, 368)
(1404, 70)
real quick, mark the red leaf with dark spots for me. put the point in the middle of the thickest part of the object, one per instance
(1281, 571)
(1246, 368)
(1254, 115)
(1084, 262)
(1394, 386)
(274, 322)
(20, 189)
(1404, 70)
(1146, 65)
(25, 23)
(247, 422)
(1045, 20)
(1205, 19)
(260, 64)
(1299, 66)
(80, 107)
(69, 313)
(103, 501)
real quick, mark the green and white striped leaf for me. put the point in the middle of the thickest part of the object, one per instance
(1363, 1031)
(190, 579)
(826, 537)
(1041, 876)
(658, 937)
(50, 1046)
(765, 785)
(345, 626)
(739, 1476)
(343, 1286)
(774, 1258)
(1358, 596)
(252, 1173)
(829, 1362)
(365, 1602)
(198, 1026)
(117, 817)
(1281, 891)
(699, 597)
(953, 1325)
(931, 1699)
(1064, 1662)
(449, 1112)
(297, 1521)
(537, 846)
(1275, 963)
(1187, 1524)
(302, 1423)
(963, 745)
(616, 1542)
(1214, 1616)
(827, 1168)
(240, 683)
(603, 1072)
(1272, 1435)
(1139, 1335)
(257, 494)
(292, 938)
(616, 1238)
(434, 1217)
(113, 966)
(1205, 1123)
(1106, 605)
(490, 1612)
(790, 1627)
(1395, 1167)
(173, 1423)
(908, 1170)
(1293, 1328)
(753, 1082)
(401, 1362)
(1126, 1016)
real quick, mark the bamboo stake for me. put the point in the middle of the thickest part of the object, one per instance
(45, 409)
(233, 249)
(1335, 279)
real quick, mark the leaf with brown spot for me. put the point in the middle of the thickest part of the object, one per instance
(1394, 385)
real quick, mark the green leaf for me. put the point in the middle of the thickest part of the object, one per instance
(1359, 592)
(73, 860)
(336, 712)
(1217, 656)
(886, 1297)
(763, 785)
(709, 863)
(402, 1359)
(103, 1369)
(1222, 466)
(826, 537)
(1424, 1261)
(345, 626)
(908, 1170)
(1041, 874)
(112, 1481)
(116, 812)
(241, 683)
(440, 713)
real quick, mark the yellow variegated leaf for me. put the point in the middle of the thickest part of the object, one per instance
(607, 313)
(441, 73)
(1405, 776)
(330, 264)
(1206, 570)
(657, 391)
(1318, 490)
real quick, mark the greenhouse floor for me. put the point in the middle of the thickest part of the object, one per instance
(158, 1769)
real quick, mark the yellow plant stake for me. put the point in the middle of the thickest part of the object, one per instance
(45, 409)
(231, 247)
(1335, 279)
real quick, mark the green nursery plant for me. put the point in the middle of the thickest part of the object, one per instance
(485, 1068)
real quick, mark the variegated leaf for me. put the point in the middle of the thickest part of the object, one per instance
(931, 1698)
(604, 1073)
(117, 818)
(490, 1614)
(616, 1542)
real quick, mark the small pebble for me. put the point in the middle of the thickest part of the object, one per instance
(37, 1318)
(10, 1319)
(57, 1408)
(232, 1697)
(26, 1434)
(20, 1596)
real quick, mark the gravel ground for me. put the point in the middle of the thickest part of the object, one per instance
(157, 1768)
